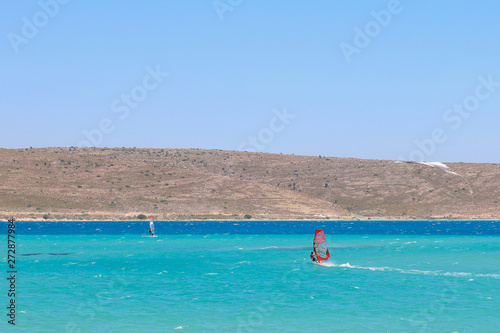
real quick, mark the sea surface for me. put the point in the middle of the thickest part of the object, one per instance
(254, 276)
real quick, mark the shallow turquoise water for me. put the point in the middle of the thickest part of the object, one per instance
(256, 283)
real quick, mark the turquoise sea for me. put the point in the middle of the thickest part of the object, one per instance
(84, 279)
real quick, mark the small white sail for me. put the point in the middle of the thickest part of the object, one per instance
(151, 226)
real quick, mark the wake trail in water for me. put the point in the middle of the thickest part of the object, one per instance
(413, 271)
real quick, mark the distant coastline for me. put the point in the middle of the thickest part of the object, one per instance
(120, 184)
(40, 219)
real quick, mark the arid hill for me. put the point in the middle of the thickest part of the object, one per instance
(122, 183)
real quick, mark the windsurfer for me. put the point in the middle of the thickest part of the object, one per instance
(321, 252)
(151, 227)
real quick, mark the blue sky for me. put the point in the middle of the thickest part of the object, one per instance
(405, 79)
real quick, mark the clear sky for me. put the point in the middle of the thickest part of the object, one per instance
(405, 79)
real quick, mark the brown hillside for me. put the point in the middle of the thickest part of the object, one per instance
(121, 183)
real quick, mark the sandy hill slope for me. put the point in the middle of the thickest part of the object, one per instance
(121, 183)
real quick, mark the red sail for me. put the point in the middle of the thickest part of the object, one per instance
(320, 246)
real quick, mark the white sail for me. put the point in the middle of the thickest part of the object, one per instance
(151, 226)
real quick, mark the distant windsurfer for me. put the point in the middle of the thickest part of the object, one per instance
(313, 257)
(151, 227)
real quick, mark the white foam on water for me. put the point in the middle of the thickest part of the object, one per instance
(415, 271)
(326, 264)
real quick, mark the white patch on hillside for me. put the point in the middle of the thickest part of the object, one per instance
(440, 166)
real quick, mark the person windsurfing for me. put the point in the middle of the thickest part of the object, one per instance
(151, 227)
(313, 257)
(321, 252)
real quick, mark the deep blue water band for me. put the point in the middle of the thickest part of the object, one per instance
(453, 227)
